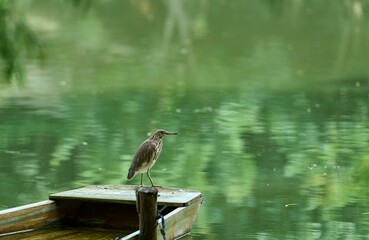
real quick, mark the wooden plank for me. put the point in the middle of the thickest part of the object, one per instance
(147, 211)
(178, 223)
(66, 234)
(126, 194)
(28, 216)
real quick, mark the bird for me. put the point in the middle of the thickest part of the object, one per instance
(147, 154)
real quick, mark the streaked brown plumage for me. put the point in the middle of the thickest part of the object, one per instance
(147, 154)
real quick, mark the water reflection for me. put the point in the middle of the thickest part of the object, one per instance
(272, 117)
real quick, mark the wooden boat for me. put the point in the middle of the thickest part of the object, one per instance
(98, 212)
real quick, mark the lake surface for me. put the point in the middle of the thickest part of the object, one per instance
(270, 100)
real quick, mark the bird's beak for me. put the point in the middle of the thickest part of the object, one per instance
(170, 133)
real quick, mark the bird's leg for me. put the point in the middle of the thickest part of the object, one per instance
(141, 180)
(152, 183)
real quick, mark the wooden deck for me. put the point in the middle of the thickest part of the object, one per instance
(126, 194)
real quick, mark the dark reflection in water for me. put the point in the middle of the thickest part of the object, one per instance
(270, 104)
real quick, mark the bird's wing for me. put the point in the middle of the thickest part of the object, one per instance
(144, 153)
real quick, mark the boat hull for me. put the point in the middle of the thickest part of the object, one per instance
(70, 215)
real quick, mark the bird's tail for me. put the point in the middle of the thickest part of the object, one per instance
(131, 173)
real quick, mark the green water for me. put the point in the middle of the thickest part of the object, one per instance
(270, 99)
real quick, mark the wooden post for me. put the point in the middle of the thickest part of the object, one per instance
(147, 210)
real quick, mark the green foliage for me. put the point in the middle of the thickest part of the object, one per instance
(16, 38)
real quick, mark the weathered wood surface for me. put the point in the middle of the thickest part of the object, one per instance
(147, 210)
(29, 216)
(178, 222)
(66, 234)
(126, 194)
